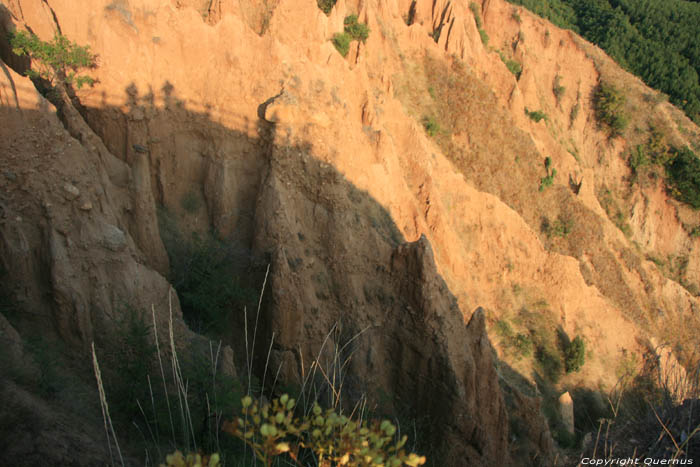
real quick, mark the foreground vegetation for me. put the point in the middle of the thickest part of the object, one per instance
(57, 61)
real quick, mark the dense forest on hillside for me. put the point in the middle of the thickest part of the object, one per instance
(658, 40)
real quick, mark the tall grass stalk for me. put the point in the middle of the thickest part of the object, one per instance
(185, 414)
(105, 409)
(162, 374)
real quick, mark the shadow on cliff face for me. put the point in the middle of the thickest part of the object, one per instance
(350, 311)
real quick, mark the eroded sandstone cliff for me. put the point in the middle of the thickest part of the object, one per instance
(376, 234)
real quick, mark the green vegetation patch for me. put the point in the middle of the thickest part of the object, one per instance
(535, 115)
(276, 430)
(609, 105)
(432, 127)
(341, 41)
(683, 173)
(326, 5)
(479, 24)
(575, 355)
(356, 31)
(58, 60)
(513, 65)
(353, 31)
(548, 180)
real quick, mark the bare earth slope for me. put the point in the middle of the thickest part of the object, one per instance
(321, 165)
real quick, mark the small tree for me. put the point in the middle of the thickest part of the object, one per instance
(610, 108)
(575, 355)
(58, 60)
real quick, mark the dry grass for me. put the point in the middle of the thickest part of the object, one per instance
(655, 415)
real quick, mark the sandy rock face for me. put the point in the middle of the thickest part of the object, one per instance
(394, 317)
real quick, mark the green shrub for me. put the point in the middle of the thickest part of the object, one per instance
(513, 65)
(341, 41)
(561, 227)
(326, 5)
(516, 16)
(431, 126)
(683, 173)
(575, 355)
(177, 459)
(357, 31)
(131, 360)
(549, 361)
(213, 277)
(477, 14)
(609, 103)
(574, 112)
(190, 202)
(484, 37)
(548, 180)
(479, 25)
(535, 115)
(272, 430)
(352, 31)
(59, 59)
(503, 328)
(638, 158)
(523, 344)
(558, 89)
(208, 285)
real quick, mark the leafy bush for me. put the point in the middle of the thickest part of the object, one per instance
(683, 173)
(212, 276)
(326, 5)
(575, 355)
(353, 31)
(59, 59)
(341, 41)
(177, 459)
(523, 344)
(549, 360)
(431, 126)
(131, 359)
(548, 180)
(357, 31)
(535, 115)
(479, 25)
(477, 14)
(513, 65)
(638, 158)
(273, 430)
(558, 89)
(574, 112)
(561, 227)
(609, 105)
(503, 328)
(484, 37)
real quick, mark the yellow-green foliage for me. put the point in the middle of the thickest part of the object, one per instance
(353, 31)
(177, 459)
(609, 108)
(272, 430)
(59, 59)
